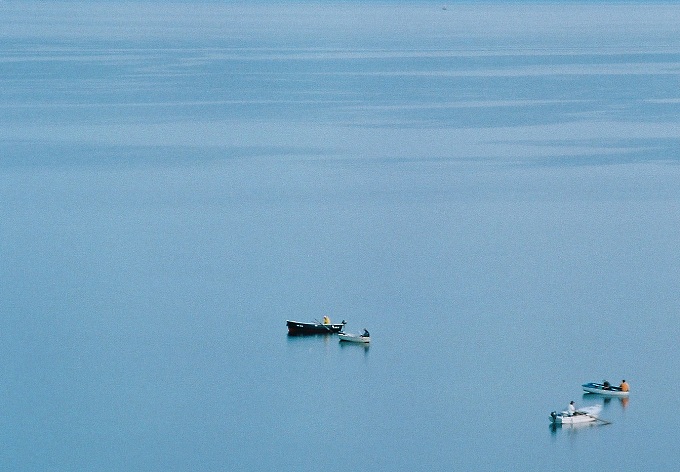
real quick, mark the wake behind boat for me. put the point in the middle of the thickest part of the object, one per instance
(583, 415)
(605, 390)
(298, 327)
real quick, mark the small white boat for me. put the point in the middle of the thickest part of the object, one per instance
(355, 338)
(601, 389)
(583, 415)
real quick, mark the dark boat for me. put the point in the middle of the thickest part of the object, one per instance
(297, 327)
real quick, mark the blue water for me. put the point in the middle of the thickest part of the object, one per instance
(490, 189)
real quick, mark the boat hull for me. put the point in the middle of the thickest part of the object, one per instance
(354, 338)
(600, 390)
(559, 418)
(300, 328)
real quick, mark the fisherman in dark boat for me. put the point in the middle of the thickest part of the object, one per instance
(366, 334)
(606, 385)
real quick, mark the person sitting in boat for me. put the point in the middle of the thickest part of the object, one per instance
(366, 334)
(624, 386)
(571, 408)
(326, 320)
(606, 385)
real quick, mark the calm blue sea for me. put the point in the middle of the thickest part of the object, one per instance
(491, 189)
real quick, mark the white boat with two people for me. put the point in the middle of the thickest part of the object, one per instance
(607, 390)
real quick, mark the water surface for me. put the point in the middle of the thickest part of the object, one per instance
(490, 189)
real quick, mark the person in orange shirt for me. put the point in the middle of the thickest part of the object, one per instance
(624, 386)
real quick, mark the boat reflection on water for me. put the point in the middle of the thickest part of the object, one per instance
(355, 345)
(572, 428)
(310, 342)
(607, 400)
(364, 346)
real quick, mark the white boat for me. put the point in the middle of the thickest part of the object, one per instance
(600, 389)
(355, 338)
(583, 415)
